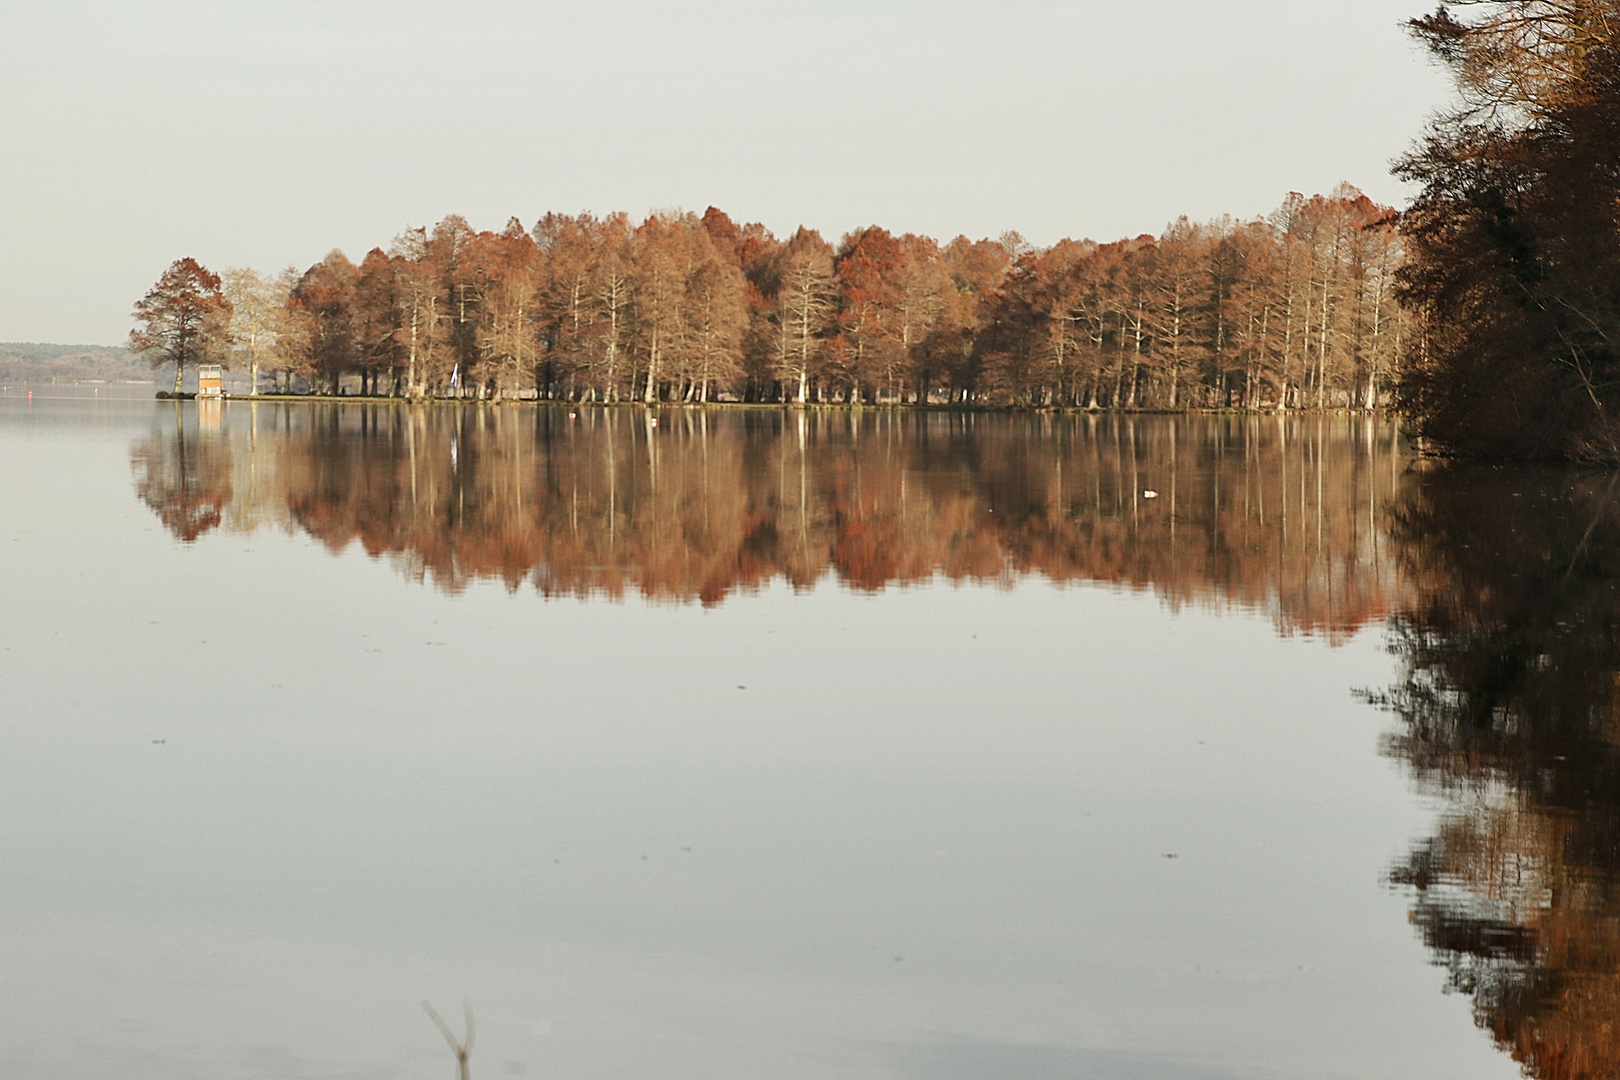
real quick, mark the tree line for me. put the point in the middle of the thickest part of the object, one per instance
(1296, 310)
(24, 362)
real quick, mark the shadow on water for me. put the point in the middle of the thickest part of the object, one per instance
(1507, 701)
(1279, 515)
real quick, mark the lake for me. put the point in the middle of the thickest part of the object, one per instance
(742, 743)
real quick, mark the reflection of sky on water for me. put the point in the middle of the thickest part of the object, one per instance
(369, 794)
(971, 1059)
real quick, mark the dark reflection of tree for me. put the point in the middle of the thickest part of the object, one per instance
(185, 476)
(1508, 707)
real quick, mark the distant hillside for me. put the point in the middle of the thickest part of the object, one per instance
(34, 362)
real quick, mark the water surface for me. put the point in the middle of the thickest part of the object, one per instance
(750, 743)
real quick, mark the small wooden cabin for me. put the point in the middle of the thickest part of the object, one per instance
(210, 383)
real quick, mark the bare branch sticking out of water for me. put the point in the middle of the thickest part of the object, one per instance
(461, 1048)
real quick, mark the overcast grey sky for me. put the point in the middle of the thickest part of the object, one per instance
(265, 134)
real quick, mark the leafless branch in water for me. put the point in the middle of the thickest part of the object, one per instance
(461, 1048)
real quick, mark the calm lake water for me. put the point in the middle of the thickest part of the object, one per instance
(754, 744)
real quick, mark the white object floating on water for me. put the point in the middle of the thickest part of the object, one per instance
(1150, 494)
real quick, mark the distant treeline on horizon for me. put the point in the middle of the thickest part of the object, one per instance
(23, 362)
(1295, 310)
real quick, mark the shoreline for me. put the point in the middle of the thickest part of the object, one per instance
(811, 406)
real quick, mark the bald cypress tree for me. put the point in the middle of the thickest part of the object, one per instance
(183, 319)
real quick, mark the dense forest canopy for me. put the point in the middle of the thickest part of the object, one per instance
(1296, 310)
(1514, 243)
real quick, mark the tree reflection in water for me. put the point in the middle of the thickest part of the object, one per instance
(1503, 584)
(1510, 653)
(1276, 514)
(184, 472)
